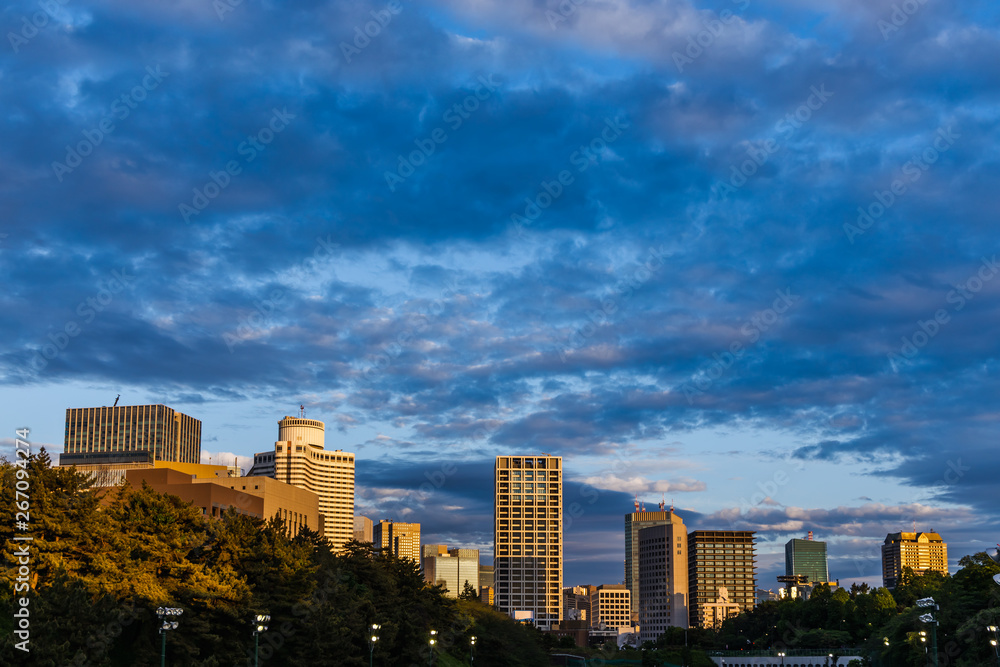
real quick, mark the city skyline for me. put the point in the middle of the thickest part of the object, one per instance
(737, 257)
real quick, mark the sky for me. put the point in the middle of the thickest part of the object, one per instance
(735, 256)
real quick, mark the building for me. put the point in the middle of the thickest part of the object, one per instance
(634, 522)
(663, 579)
(715, 613)
(717, 559)
(528, 551)
(362, 529)
(921, 552)
(400, 539)
(299, 458)
(610, 607)
(130, 434)
(807, 557)
(212, 490)
(576, 603)
(451, 568)
(486, 585)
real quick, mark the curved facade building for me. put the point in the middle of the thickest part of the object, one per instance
(299, 458)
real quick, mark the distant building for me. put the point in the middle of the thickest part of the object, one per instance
(717, 559)
(451, 568)
(634, 522)
(399, 538)
(300, 459)
(130, 434)
(663, 579)
(922, 552)
(576, 603)
(528, 538)
(362, 529)
(611, 607)
(807, 557)
(765, 595)
(486, 576)
(260, 497)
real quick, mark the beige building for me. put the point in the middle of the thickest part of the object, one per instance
(451, 568)
(362, 529)
(400, 539)
(299, 459)
(663, 579)
(528, 549)
(610, 607)
(922, 552)
(261, 497)
(130, 434)
(634, 522)
(720, 559)
(576, 603)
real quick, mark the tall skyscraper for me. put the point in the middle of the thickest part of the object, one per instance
(663, 579)
(807, 557)
(922, 552)
(720, 559)
(399, 538)
(635, 522)
(130, 434)
(451, 568)
(527, 517)
(300, 459)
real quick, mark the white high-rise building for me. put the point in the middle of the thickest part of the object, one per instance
(299, 458)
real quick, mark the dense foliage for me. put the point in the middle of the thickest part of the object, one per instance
(101, 566)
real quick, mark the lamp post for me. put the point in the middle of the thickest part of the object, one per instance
(259, 624)
(781, 655)
(432, 642)
(995, 642)
(372, 640)
(164, 614)
(472, 654)
(925, 603)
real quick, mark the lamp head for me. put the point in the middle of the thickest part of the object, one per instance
(926, 602)
(927, 618)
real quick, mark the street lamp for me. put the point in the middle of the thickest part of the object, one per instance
(782, 656)
(372, 639)
(995, 641)
(926, 603)
(259, 624)
(165, 614)
(432, 641)
(472, 655)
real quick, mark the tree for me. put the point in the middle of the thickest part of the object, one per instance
(468, 592)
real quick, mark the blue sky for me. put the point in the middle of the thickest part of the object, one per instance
(737, 255)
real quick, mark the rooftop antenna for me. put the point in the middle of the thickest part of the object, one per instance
(671, 504)
(302, 411)
(637, 502)
(643, 505)
(663, 503)
(116, 401)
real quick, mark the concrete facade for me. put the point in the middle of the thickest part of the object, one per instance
(451, 569)
(663, 579)
(922, 552)
(611, 607)
(634, 522)
(716, 559)
(363, 529)
(399, 538)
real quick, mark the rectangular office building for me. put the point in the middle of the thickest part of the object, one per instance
(721, 572)
(922, 552)
(130, 434)
(807, 557)
(527, 519)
